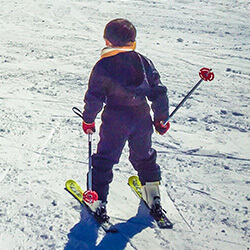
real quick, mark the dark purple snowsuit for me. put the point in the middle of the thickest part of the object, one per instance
(119, 82)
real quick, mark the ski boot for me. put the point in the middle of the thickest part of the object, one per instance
(156, 210)
(99, 210)
(151, 195)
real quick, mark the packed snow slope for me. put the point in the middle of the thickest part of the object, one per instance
(47, 51)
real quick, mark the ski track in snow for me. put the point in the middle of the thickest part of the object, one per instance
(47, 51)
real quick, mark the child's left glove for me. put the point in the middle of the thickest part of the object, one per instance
(161, 128)
(88, 128)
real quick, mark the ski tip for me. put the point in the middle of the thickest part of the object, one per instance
(133, 178)
(68, 182)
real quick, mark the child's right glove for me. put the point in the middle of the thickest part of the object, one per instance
(161, 128)
(88, 127)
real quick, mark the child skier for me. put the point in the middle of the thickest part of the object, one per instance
(122, 79)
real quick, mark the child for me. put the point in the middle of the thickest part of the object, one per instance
(122, 79)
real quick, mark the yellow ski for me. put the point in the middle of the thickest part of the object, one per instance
(162, 221)
(75, 190)
(135, 185)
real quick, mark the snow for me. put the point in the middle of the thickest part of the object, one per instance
(47, 51)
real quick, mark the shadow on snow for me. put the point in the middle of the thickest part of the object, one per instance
(84, 235)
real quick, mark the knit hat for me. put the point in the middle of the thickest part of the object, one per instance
(120, 32)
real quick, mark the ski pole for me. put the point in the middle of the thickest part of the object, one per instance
(90, 162)
(89, 195)
(205, 75)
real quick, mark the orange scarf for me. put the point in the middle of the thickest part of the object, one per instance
(112, 51)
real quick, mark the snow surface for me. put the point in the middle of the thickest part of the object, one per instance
(47, 51)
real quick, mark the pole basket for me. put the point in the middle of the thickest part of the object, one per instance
(206, 74)
(90, 196)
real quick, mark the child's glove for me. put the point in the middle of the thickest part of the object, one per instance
(161, 128)
(88, 128)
